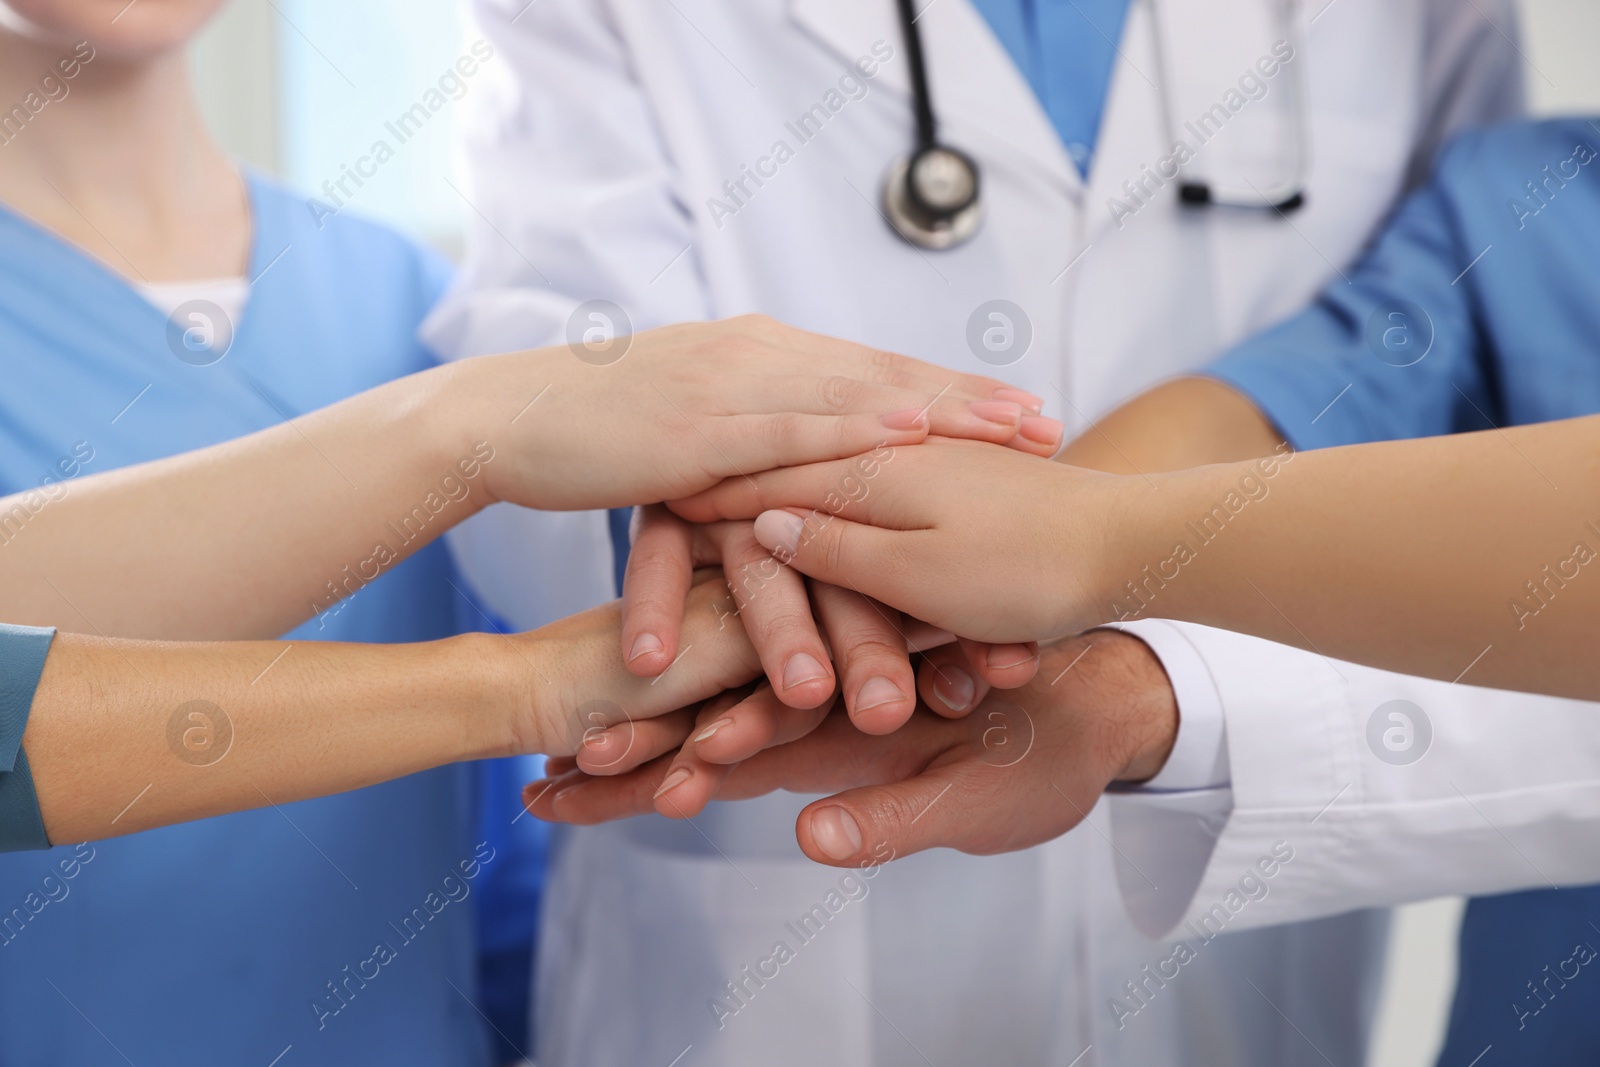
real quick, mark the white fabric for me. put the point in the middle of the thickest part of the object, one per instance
(1199, 757)
(1505, 794)
(229, 294)
(603, 133)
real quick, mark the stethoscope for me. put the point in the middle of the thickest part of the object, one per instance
(930, 196)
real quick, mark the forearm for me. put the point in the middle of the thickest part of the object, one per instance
(1439, 556)
(128, 735)
(1182, 423)
(250, 537)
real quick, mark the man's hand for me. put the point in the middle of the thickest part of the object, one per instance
(1026, 766)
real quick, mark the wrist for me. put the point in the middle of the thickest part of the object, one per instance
(1142, 719)
(475, 410)
(497, 709)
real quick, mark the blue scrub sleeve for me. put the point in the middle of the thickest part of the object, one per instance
(1389, 350)
(22, 654)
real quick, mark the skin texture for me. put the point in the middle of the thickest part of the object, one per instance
(1175, 425)
(396, 466)
(1430, 581)
(1026, 766)
(128, 735)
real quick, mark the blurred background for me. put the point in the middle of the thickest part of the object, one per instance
(302, 88)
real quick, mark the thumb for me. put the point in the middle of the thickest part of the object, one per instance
(833, 550)
(878, 823)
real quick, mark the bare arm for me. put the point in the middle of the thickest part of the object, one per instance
(251, 537)
(1429, 556)
(129, 735)
(1182, 423)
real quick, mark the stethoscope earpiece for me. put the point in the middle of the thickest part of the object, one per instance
(931, 197)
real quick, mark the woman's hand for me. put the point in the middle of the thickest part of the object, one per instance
(577, 689)
(786, 619)
(689, 405)
(987, 543)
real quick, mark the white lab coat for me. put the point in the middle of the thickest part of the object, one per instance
(1484, 791)
(596, 141)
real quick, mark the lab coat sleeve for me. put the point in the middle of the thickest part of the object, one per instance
(1354, 788)
(570, 198)
(1389, 350)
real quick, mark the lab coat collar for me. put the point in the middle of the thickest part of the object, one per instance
(983, 102)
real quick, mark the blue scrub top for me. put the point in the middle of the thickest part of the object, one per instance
(1476, 307)
(22, 654)
(1067, 50)
(232, 939)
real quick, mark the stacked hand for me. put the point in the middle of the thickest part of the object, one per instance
(1026, 766)
(919, 529)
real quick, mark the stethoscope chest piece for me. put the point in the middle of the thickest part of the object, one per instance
(931, 197)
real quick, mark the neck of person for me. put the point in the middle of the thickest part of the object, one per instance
(117, 161)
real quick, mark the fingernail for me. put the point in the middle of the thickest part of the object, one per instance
(1001, 657)
(955, 687)
(909, 419)
(801, 669)
(835, 833)
(567, 792)
(711, 731)
(1003, 412)
(642, 645)
(1040, 430)
(674, 780)
(1030, 403)
(876, 693)
(779, 531)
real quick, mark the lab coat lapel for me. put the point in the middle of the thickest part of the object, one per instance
(1132, 133)
(983, 102)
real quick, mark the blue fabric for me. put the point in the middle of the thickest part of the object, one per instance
(1484, 283)
(231, 939)
(1067, 50)
(511, 892)
(618, 520)
(22, 653)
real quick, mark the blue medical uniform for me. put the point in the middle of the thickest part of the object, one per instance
(239, 939)
(1476, 307)
(1067, 50)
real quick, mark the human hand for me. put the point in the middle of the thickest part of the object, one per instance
(691, 404)
(986, 543)
(572, 689)
(869, 640)
(1025, 767)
